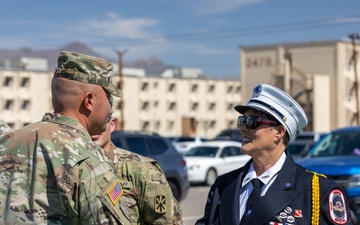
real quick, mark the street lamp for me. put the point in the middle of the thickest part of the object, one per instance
(120, 86)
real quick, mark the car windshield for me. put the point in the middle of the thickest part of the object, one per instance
(344, 143)
(296, 148)
(202, 151)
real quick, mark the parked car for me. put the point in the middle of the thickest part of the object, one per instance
(210, 159)
(182, 143)
(229, 135)
(337, 155)
(159, 148)
(303, 143)
(300, 148)
(310, 135)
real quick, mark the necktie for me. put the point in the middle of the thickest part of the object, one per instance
(254, 197)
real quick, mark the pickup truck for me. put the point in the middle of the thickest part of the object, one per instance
(337, 155)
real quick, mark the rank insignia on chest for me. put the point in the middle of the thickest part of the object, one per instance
(160, 204)
(115, 193)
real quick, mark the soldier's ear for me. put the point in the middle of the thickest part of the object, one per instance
(88, 100)
(112, 124)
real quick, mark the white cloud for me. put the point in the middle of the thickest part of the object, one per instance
(346, 20)
(112, 25)
(211, 7)
(141, 36)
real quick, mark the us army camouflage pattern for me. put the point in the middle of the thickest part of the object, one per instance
(146, 190)
(52, 173)
(5, 133)
(4, 128)
(86, 69)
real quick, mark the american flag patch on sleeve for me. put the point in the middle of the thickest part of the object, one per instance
(115, 192)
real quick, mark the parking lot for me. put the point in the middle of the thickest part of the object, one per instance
(193, 205)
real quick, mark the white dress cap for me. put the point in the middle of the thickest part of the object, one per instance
(277, 103)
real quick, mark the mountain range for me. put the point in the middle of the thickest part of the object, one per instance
(152, 66)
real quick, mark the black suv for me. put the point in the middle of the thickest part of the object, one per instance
(159, 148)
(230, 135)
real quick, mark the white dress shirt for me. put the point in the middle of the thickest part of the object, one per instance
(267, 178)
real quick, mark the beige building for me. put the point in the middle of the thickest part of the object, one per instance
(319, 75)
(168, 106)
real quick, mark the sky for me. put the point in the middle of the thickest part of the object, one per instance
(205, 34)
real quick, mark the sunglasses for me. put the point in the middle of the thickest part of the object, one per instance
(253, 122)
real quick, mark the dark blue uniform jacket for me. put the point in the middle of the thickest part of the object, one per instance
(287, 201)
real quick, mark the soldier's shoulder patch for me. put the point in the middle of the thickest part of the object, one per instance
(337, 208)
(115, 192)
(160, 204)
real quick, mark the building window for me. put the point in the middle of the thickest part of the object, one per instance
(212, 124)
(229, 106)
(156, 104)
(170, 125)
(238, 89)
(11, 125)
(25, 124)
(156, 84)
(25, 104)
(145, 106)
(145, 86)
(172, 106)
(9, 104)
(194, 106)
(211, 88)
(157, 125)
(194, 88)
(212, 106)
(145, 125)
(8, 81)
(171, 87)
(25, 82)
(231, 123)
(229, 89)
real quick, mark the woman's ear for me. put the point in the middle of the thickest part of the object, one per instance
(280, 132)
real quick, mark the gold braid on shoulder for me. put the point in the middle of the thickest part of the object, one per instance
(315, 214)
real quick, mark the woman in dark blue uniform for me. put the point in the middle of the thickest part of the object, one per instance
(271, 188)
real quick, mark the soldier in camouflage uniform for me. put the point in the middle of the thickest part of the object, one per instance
(147, 193)
(50, 171)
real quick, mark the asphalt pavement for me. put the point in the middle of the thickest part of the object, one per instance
(193, 206)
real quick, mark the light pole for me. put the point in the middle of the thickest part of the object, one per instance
(121, 123)
(356, 82)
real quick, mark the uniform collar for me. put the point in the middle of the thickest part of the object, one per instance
(267, 175)
(67, 121)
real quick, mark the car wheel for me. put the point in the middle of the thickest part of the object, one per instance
(210, 177)
(175, 190)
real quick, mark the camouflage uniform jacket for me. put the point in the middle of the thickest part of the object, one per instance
(147, 193)
(4, 129)
(52, 173)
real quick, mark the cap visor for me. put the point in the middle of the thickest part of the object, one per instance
(241, 108)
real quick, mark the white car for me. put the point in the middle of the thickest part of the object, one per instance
(206, 161)
(183, 143)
